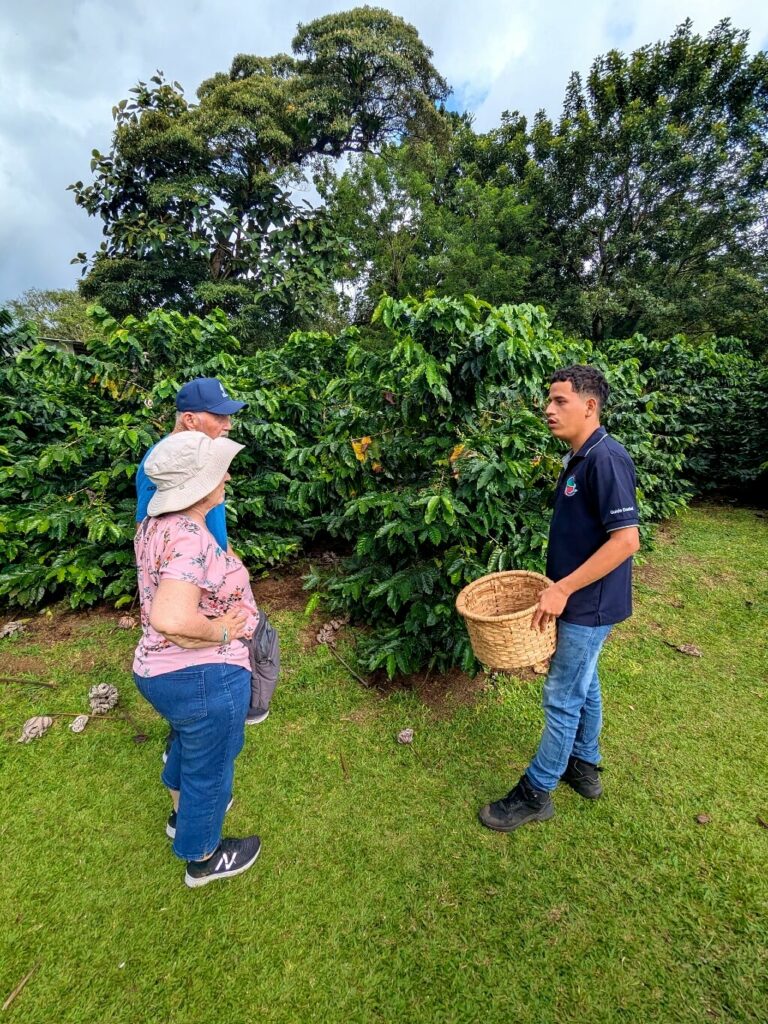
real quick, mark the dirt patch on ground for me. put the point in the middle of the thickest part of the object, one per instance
(25, 667)
(361, 716)
(649, 574)
(308, 633)
(666, 532)
(440, 693)
(56, 624)
(659, 577)
(527, 675)
(281, 592)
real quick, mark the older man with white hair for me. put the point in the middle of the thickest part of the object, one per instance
(201, 404)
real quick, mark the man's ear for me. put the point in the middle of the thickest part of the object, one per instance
(591, 404)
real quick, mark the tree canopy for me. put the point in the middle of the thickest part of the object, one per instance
(651, 187)
(58, 314)
(641, 208)
(196, 197)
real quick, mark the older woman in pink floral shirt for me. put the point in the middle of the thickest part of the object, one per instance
(196, 603)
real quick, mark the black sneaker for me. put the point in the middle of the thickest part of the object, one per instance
(521, 805)
(256, 716)
(583, 777)
(170, 825)
(232, 858)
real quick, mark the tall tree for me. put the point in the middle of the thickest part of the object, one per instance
(60, 314)
(196, 198)
(652, 187)
(445, 217)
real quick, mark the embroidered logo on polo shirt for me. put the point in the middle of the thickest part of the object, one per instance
(570, 487)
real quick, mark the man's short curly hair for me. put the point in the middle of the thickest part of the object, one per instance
(585, 380)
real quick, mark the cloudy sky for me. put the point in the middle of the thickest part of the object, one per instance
(64, 63)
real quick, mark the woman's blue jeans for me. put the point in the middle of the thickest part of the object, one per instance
(572, 704)
(206, 705)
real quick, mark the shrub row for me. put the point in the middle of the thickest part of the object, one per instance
(420, 448)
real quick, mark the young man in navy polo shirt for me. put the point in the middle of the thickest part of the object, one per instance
(201, 404)
(592, 537)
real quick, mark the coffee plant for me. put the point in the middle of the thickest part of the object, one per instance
(438, 467)
(77, 425)
(417, 447)
(715, 392)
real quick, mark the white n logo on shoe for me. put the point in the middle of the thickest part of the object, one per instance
(227, 860)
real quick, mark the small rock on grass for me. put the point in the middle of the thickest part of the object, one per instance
(703, 819)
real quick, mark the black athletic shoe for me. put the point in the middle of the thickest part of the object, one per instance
(520, 806)
(583, 777)
(256, 716)
(170, 825)
(232, 858)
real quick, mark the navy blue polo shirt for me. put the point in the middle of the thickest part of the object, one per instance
(595, 495)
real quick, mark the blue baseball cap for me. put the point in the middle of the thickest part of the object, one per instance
(206, 394)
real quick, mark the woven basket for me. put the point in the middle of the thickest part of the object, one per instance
(497, 610)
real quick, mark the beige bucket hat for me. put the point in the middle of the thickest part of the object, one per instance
(185, 467)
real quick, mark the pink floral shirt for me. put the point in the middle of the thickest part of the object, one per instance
(175, 547)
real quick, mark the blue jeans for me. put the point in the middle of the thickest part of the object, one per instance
(206, 706)
(572, 704)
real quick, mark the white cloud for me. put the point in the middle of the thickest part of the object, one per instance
(565, 37)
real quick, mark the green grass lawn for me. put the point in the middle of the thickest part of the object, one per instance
(378, 896)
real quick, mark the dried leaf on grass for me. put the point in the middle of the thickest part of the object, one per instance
(126, 622)
(689, 649)
(761, 822)
(80, 723)
(555, 914)
(12, 627)
(34, 728)
(328, 631)
(703, 819)
(405, 736)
